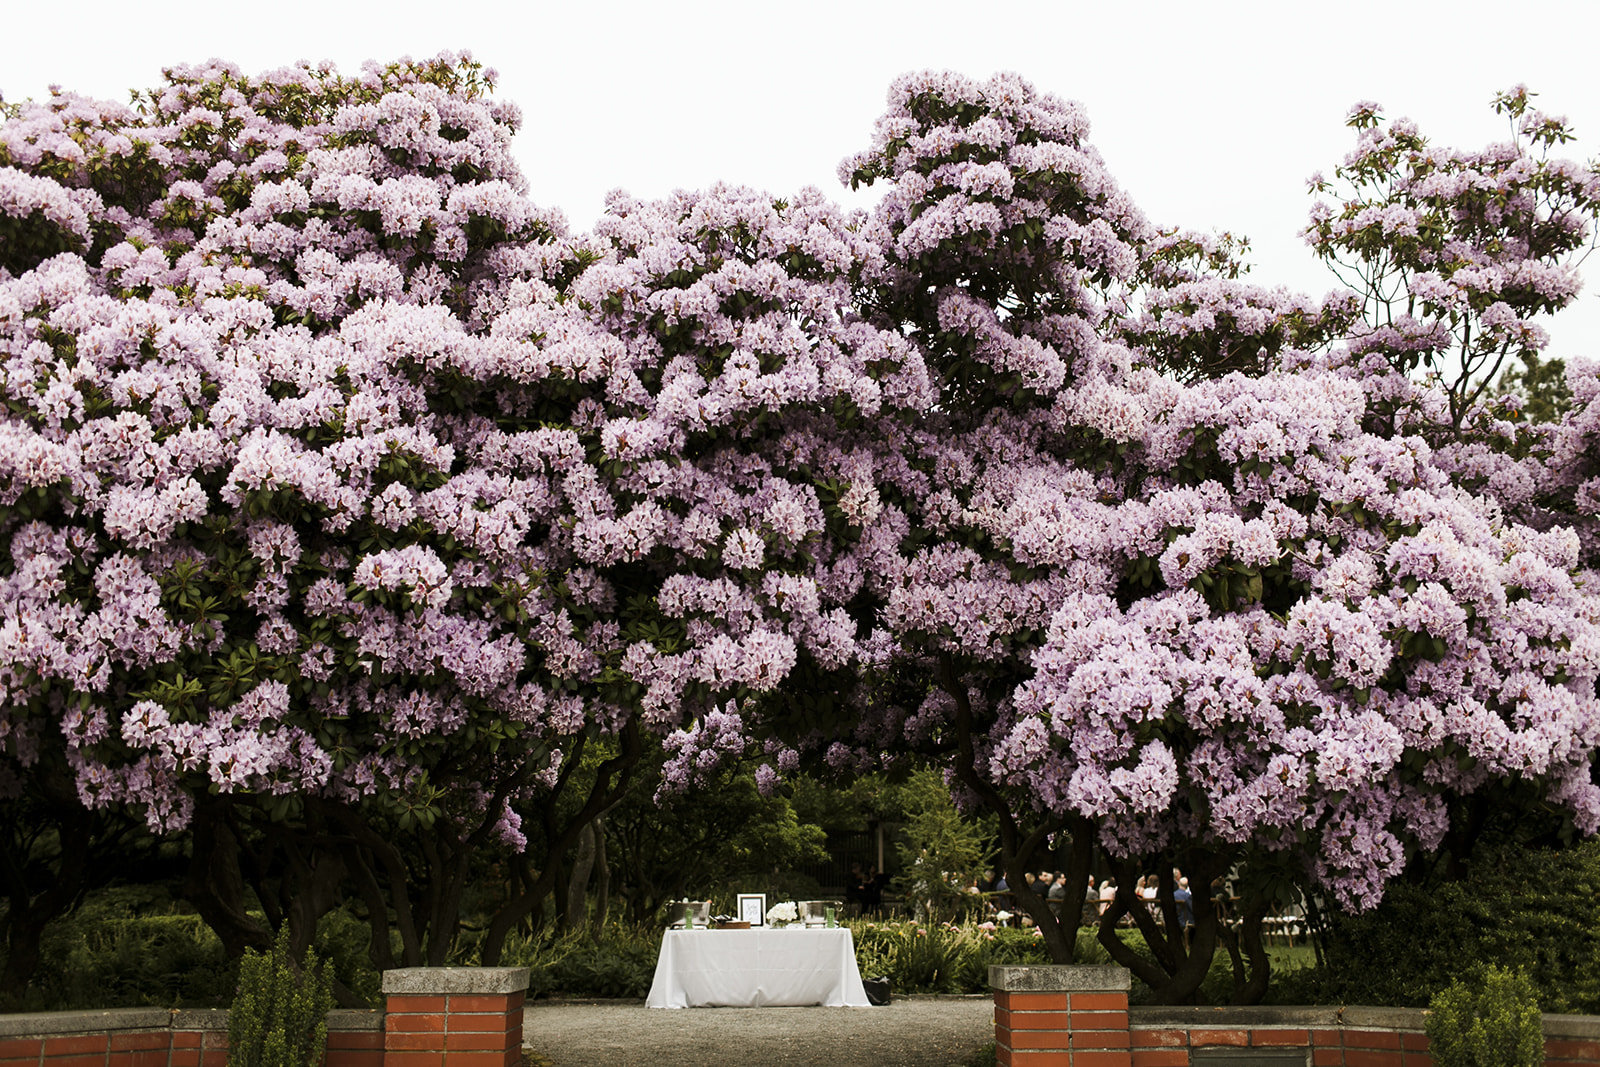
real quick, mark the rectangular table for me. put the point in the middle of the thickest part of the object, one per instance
(757, 969)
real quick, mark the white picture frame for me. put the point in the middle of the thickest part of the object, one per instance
(753, 908)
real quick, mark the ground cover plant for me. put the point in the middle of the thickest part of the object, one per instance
(367, 531)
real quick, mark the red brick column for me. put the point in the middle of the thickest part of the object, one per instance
(453, 1016)
(1060, 1016)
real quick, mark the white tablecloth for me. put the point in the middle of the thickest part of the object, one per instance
(756, 969)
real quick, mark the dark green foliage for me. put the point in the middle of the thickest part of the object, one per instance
(27, 242)
(693, 843)
(134, 946)
(940, 958)
(598, 972)
(618, 961)
(343, 942)
(127, 947)
(1490, 1019)
(941, 851)
(279, 1016)
(1540, 389)
(1534, 910)
(926, 961)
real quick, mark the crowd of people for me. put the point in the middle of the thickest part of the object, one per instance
(995, 900)
(1001, 905)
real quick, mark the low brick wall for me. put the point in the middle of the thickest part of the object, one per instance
(434, 1017)
(1066, 1017)
(1324, 1037)
(156, 1037)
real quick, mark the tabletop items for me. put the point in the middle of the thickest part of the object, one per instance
(689, 914)
(820, 912)
(696, 914)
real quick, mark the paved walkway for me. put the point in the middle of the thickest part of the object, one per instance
(911, 1032)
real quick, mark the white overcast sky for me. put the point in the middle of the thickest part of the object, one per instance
(1211, 114)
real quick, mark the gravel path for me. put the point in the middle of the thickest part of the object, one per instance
(910, 1032)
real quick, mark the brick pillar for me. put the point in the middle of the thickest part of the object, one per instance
(1059, 1016)
(453, 1016)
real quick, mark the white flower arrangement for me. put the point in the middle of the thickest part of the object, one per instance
(782, 913)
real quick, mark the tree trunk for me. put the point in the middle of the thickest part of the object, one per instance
(1317, 928)
(1016, 848)
(602, 884)
(215, 885)
(387, 859)
(1255, 986)
(611, 780)
(28, 910)
(1147, 971)
(576, 913)
(1175, 970)
(23, 930)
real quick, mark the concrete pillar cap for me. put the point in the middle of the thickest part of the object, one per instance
(426, 981)
(1061, 978)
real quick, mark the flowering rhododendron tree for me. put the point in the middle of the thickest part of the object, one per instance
(1209, 623)
(721, 432)
(1574, 462)
(303, 512)
(262, 555)
(1454, 253)
(344, 487)
(1194, 315)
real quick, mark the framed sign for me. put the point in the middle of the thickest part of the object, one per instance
(753, 908)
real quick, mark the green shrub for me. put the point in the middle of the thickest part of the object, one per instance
(279, 1016)
(126, 948)
(946, 958)
(929, 959)
(918, 957)
(343, 943)
(100, 957)
(1537, 911)
(1490, 1020)
(618, 962)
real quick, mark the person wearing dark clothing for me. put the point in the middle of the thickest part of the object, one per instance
(1057, 895)
(1184, 900)
(855, 890)
(1003, 900)
(872, 890)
